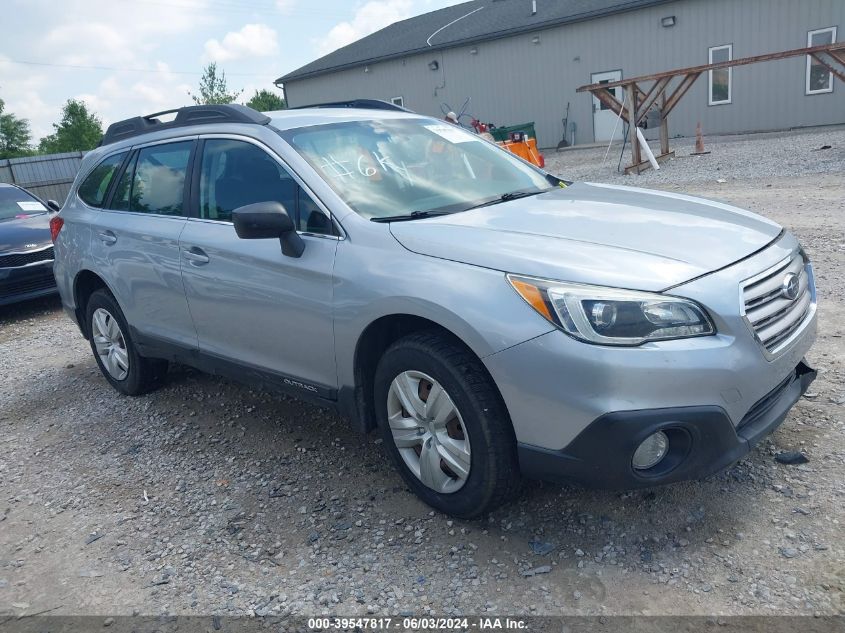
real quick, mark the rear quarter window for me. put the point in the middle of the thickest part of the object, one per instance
(93, 189)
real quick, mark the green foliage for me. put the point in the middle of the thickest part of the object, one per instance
(213, 90)
(79, 130)
(266, 101)
(15, 136)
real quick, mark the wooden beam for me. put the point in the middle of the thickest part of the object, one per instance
(832, 69)
(824, 48)
(632, 122)
(640, 95)
(651, 97)
(664, 126)
(679, 92)
(610, 100)
(643, 165)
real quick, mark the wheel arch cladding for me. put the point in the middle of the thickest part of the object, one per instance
(375, 339)
(84, 285)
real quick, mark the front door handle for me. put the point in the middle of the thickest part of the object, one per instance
(195, 256)
(107, 237)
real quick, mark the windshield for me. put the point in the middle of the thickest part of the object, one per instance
(402, 166)
(14, 203)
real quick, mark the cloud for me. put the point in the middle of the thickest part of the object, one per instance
(95, 103)
(371, 17)
(285, 6)
(87, 43)
(21, 90)
(253, 40)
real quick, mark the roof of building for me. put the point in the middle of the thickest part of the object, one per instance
(463, 23)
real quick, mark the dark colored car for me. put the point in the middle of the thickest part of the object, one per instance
(26, 251)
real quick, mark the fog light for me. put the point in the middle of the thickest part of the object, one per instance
(651, 451)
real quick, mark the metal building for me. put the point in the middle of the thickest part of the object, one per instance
(522, 60)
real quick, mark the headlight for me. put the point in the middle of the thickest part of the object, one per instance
(610, 316)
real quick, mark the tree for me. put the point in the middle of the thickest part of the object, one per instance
(213, 88)
(266, 101)
(15, 136)
(78, 131)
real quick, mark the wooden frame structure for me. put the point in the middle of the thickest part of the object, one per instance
(639, 101)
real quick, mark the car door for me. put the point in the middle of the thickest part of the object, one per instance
(252, 305)
(135, 242)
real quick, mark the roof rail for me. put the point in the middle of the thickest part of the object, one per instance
(364, 104)
(185, 117)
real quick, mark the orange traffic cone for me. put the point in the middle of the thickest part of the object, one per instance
(699, 141)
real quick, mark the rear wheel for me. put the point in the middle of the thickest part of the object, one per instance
(445, 425)
(115, 353)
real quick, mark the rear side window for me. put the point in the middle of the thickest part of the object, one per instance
(120, 199)
(154, 180)
(94, 188)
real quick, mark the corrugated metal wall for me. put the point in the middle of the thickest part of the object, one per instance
(515, 80)
(49, 177)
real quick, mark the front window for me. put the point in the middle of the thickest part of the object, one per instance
(819, 77)
(236, 173)
(396, 167)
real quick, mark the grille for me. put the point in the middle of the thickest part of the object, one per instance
(15, 260)
(773, 317)
(27, 286)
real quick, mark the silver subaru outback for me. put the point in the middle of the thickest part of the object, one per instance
(493, 321)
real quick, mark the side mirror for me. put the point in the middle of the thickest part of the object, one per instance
(264, 220)
(53, 206)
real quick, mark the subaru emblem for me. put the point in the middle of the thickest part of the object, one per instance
(790, 287)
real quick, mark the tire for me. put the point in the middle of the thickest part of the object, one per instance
(478, 433)
(111, 332)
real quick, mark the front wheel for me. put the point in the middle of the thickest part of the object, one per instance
(115, 353)
(445, 425)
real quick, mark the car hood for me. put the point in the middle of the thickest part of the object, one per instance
(24, 234)
(599, 234)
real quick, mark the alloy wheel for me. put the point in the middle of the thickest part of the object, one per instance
(429, 432)
(110, 343)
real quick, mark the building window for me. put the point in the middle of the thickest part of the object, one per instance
(819, 77)
(719, 81)
(398, 101)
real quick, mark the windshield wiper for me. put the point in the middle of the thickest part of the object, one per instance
(414, 215)
(507, 197)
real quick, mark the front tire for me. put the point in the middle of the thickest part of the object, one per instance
(116, 355)
(445, 425)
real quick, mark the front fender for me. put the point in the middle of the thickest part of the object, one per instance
(475, 304)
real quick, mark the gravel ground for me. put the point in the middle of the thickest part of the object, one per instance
(751, 157)
(210, 497)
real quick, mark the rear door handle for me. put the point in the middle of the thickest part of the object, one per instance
(107, 237)
(195, 255)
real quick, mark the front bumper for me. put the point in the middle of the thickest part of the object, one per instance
(702, 441)
(556, 388)
(26, 282)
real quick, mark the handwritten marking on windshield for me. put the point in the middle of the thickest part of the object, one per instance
(337, 167)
